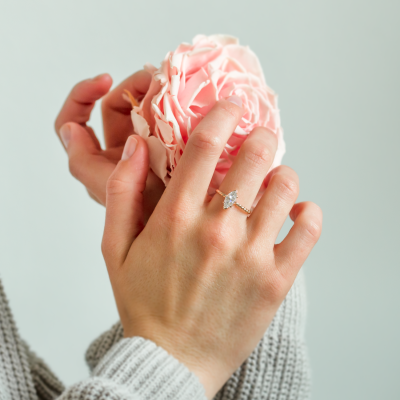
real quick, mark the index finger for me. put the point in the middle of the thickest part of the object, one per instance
(81, 100)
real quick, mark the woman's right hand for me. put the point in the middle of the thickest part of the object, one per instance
(88, 162)
(200, 281)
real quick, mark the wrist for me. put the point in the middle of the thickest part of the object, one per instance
(136, 359)
(211, 379)
(211, 373)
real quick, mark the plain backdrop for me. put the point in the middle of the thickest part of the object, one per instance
(335, 65)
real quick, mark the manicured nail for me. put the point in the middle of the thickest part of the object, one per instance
(65, 133)
(235, 100)
(129, 149)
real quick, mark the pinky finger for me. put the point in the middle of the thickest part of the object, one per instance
(293, 251)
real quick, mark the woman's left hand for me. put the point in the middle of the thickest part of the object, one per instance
(88, 163)
(202, 282)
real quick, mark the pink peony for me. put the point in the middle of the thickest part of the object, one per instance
(187, 85)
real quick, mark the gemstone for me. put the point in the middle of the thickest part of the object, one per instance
(230, 199)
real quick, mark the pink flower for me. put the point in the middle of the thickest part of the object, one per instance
(187, 85)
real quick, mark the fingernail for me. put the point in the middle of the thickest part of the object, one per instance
(235, 100)
(65, 133)
(129, 149)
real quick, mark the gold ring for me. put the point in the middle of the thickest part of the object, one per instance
(230, 200)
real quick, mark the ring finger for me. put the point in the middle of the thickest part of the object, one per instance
(249, 169)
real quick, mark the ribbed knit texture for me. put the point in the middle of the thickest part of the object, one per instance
(138, 369)
(15, 376)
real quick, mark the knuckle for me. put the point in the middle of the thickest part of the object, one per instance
(177, 216)
(270, 139)
(228, 110)
(256, 155)
(206, 141)
(312, 229)
(271, 286)
(116, 186)
(287, 186)
(217, 236)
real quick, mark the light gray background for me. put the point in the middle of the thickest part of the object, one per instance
(335, 65)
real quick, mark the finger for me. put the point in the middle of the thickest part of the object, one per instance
(249, 169)
(275, 204)
(292, 252)
(124, 205)
(193, 174)
(80, 102)
(86, 162)
(117, 111)
(94, 197)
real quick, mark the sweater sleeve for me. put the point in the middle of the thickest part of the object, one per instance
(46, 383)
(137, 369)
(130, 369)
(277, 367)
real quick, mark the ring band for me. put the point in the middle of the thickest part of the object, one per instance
(230, 200)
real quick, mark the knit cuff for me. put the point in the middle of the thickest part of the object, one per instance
(149, 371)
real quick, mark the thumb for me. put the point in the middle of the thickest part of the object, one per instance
(124, 200)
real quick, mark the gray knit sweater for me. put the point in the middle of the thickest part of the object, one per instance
(138, 369)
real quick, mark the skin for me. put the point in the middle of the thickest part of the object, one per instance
(214, 279)
(88, 162)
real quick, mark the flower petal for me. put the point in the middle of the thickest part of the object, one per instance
(165, 130)
(247, 58)
(140, 125)
(158, 157)
(193, 86)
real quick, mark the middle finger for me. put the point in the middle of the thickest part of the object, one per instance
(193, 174)
(117, 123)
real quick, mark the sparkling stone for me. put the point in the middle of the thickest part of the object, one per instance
(230, 199)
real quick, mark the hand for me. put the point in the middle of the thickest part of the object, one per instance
(88, 163)
(202, 282)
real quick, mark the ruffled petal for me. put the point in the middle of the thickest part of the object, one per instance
(157, 157)
(184, 89)
(140, 125)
